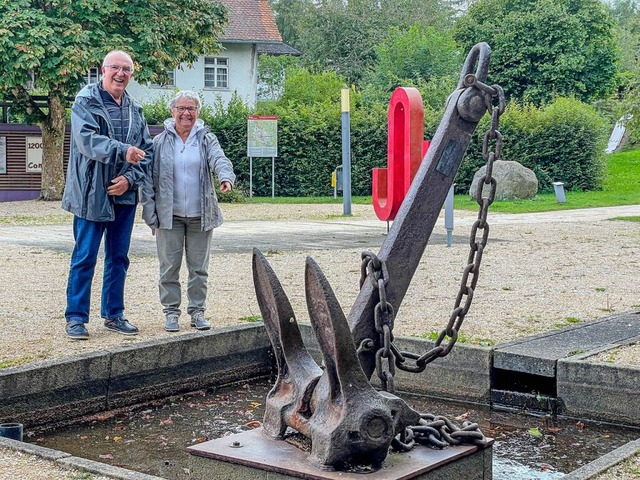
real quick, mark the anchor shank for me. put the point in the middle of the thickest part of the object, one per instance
(405, 244)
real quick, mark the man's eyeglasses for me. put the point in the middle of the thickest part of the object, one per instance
(117, 68)
(186, 109)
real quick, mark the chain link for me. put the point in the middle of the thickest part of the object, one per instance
(440, 432)
(437, 431)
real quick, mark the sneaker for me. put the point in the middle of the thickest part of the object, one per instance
(120, 325)
(198, 321)
(172, 323)
(77, 331)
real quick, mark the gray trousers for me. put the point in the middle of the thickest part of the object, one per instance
(185, 236)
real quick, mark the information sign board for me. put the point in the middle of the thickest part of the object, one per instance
(34, 154)
(262, 136)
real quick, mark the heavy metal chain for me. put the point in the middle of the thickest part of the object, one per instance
(438, 431)
(384, 316)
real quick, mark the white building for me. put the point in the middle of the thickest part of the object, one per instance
(251, 30)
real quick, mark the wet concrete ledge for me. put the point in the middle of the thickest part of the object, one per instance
(59, 390)
(539, 354)
(554, 372)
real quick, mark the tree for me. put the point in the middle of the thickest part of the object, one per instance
(417, 54)
(625, 102)
(47, 48)
(543, 49)
(340, 35)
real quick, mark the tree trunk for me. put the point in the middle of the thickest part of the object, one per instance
(52, 184)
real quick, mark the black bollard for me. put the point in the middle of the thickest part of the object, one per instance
(11, 430)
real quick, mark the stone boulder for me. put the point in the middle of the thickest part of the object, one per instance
(514, 181)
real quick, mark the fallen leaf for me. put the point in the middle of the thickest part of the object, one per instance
(166, 421)
(107, 456)
(581, 426)
(554, 429)
(535, 432)
(253, 424)
(117, 439)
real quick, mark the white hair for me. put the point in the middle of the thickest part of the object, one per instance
(117, 52)
(189, 95)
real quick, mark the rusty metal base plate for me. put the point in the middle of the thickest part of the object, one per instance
(250, 452)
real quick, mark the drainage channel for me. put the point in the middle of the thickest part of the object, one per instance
(153, 438)
(551, 372)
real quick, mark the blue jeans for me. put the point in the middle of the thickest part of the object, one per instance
(88, 236)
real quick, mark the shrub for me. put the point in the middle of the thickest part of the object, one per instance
(563, 141)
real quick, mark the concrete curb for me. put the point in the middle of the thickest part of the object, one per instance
(598, 390)
(463, 375)
(605, 462)
(58, 390)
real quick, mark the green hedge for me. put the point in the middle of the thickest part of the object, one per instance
(561, 142)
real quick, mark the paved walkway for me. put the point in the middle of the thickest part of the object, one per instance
(242, 236)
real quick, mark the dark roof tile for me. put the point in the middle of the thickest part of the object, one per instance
(250, 21)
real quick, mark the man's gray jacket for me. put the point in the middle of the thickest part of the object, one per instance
(96, 157)
(157, 193)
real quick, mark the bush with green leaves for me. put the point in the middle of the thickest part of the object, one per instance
(310, 137)
(562, 142)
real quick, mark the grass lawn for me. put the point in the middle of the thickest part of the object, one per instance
(621, 187)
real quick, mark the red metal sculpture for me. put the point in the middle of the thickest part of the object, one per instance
(405, 150)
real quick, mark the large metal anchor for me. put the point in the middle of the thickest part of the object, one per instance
(347, 420)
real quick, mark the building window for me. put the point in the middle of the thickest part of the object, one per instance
(170, 82)
(93, 75)
(216, 72)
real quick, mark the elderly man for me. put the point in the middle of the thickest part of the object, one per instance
(110, 153)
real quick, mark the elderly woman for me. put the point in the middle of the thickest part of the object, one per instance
(181, 207)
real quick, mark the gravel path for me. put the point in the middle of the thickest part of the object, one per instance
(539, 272)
